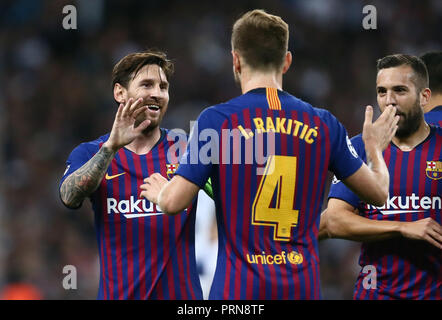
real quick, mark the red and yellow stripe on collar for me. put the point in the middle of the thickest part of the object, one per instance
(273, 99)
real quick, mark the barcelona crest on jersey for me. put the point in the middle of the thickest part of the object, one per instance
(171, 168)
(434, 170)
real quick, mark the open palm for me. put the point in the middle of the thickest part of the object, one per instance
(124, 130)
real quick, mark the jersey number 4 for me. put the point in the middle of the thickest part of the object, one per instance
(273, 204)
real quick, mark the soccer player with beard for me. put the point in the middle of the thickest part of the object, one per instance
(268, 154)
(402, 240)
(144, 254)
(433, 110)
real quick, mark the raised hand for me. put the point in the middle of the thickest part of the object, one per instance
(378, 134)
(125, 129)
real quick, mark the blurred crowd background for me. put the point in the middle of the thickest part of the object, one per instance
(55, 93)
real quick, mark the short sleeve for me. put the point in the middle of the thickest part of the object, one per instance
(338, 189)
(203, 148)
(344, 159)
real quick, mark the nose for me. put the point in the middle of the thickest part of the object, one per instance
(155, 92)
(390, 99)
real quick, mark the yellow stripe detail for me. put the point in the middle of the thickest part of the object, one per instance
(273, 99)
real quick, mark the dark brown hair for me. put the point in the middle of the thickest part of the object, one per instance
(261, 39)
(416, 64)
(127, 68)
(433, 62)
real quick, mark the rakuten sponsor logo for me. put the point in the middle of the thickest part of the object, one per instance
(133, 208)
(409, 204)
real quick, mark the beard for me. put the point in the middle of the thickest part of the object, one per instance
(411, 121)
(155, 122)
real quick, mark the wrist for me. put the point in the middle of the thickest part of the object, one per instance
(107, 146)
(401, 228)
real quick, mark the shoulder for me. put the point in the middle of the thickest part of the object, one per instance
(216, 114)
(357, 140)
(92, 146)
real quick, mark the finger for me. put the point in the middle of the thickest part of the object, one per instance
(433, 241)
(126, 107)
(119, 111)
(394, 127)
(436, 231)
(138, 111)
(388, 114)
(142, 126)
(159, 176)
(137, 104)
(368, 115)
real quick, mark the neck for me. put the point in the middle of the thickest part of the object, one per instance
(436, 100)
(410, 142)
(145, 142)
(253, 80)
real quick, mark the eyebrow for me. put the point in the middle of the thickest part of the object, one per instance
(162, 82)
(394, 87)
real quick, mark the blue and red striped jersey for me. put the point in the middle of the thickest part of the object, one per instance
(405, 269)
(144, 254)
(434, 116)
(267, 154)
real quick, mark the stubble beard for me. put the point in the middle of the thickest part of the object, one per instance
(410, 124)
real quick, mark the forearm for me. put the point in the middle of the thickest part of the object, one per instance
(84, 181)
(177, 195)
(323, 231)
(350, 226)
(378, 167)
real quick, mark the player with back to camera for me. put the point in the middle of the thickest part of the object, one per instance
(268, 212)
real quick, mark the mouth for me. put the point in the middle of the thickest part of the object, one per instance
(153, 107)
(400, 114)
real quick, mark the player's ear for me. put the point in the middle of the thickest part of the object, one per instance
(236, 62)
(119, 93)
(425, 96)
(287, 62)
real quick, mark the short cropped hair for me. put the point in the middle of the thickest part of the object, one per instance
(433, 61)
(420, 78)
(261, 39)
(127, 68)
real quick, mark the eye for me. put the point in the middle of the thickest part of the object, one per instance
(146, 84)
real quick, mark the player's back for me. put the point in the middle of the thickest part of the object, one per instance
(274, 151)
